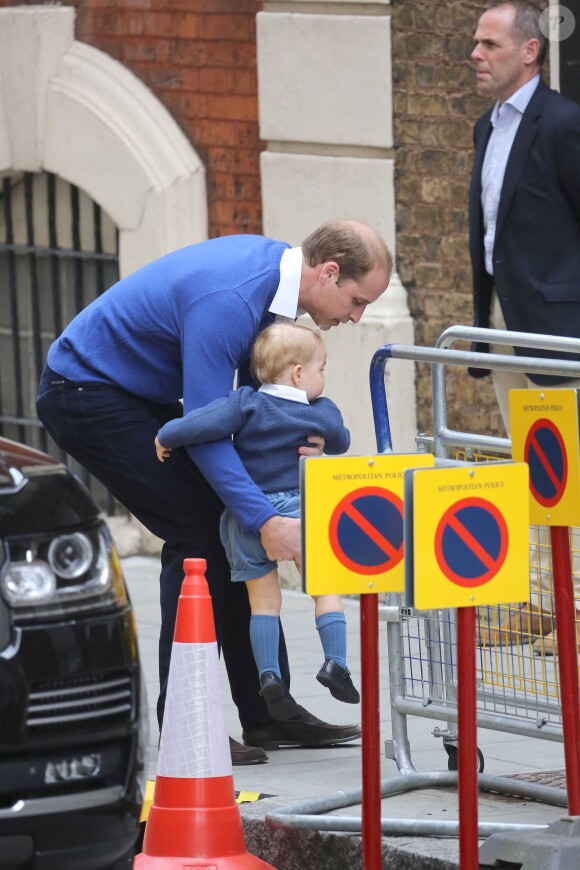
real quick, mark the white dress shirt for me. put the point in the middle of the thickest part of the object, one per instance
(285, 302)
(281, 391)
(505, 118)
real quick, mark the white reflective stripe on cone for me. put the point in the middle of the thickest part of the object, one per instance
(198, 744)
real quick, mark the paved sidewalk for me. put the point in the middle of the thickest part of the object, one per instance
(299, 774)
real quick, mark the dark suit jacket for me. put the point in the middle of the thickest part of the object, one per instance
(536, 255)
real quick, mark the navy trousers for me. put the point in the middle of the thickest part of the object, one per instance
(111, 433)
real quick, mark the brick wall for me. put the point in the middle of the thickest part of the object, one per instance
(199, 58)
(435, 106)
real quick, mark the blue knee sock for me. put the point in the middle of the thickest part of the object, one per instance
(332, 630)
(264, 637)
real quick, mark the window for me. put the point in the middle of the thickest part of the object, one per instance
(58, 252)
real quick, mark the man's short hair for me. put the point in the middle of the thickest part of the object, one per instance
(355, 246)
(279, 346)
(527, 24)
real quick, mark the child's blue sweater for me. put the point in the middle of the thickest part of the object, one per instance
(268, 431)
(197, 311)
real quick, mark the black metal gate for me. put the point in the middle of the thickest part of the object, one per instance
(58, 252)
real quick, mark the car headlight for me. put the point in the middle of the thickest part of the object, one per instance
(47, 575)
(70, 556)
(28, 583)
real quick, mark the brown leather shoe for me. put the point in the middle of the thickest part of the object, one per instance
(246, 754)
(306, 731)
(516, 626)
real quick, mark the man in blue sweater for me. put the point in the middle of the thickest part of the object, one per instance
(117, 373)
(269, 425)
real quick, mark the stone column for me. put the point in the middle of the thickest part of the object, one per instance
(324, 87)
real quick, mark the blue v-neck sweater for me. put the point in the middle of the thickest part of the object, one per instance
(268, 430)
(179, 328)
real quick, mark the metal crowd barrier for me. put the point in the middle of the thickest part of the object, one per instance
(422, 646)
(518, 688)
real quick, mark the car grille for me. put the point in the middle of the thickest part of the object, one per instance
(60, 705)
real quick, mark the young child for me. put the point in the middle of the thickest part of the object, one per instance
(269, 425)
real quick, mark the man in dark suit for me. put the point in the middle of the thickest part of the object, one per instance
(524, 207)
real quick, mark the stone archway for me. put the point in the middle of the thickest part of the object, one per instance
(70, 109)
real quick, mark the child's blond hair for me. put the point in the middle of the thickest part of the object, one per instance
(279, 346)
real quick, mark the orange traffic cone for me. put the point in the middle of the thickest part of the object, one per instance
(194, 820)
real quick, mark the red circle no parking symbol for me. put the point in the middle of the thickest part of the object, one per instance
(471, 542)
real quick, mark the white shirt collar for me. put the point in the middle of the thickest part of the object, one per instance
(519, 100)
(281, 391)
(285, 301)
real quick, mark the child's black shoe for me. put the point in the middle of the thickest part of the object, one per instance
(337, 680)
(280, 703)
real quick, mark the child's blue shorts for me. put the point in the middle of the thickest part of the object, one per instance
(246, 555)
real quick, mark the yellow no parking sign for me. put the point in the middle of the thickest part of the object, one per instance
(544, 427)
(467, 535)
(353, 524)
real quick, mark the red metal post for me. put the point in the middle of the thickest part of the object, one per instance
(371, 760)
(567, 661)
(467, 744)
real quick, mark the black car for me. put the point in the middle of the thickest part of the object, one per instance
(71, 741)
